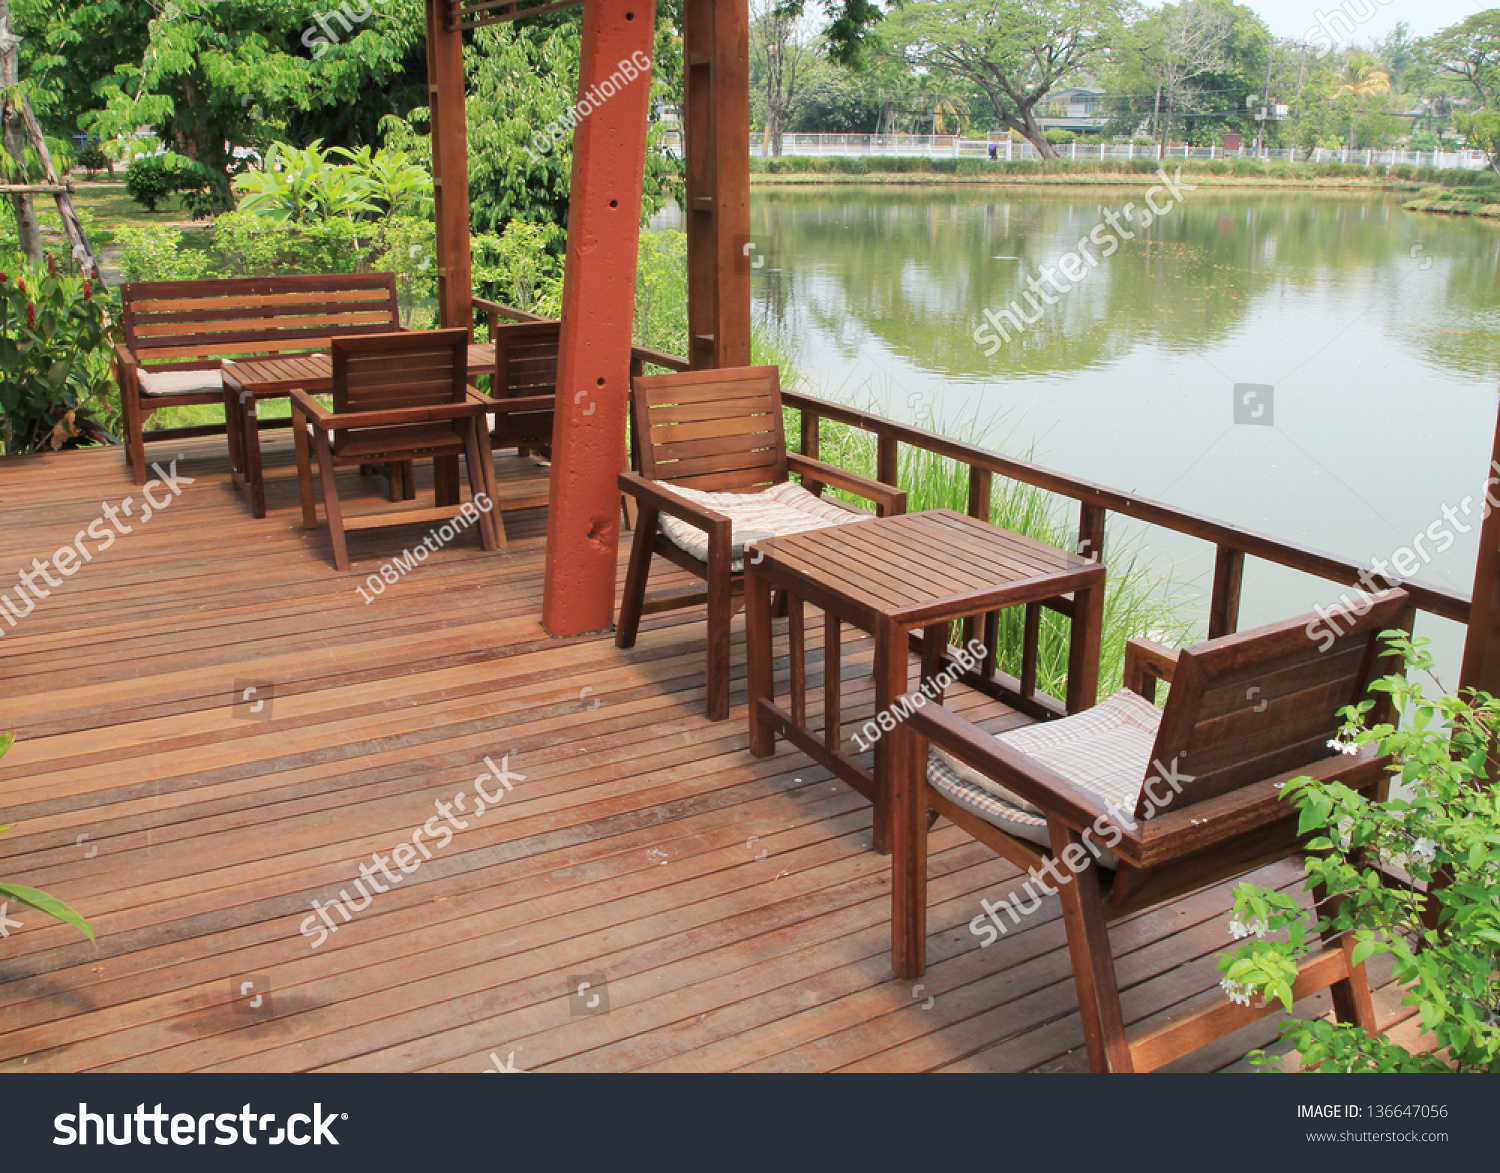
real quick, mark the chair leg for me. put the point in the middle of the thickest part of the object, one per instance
(395, 480)
(408, 480)
(331, 502)
(1351, 997)
(478, 486)
(491, 483)
(909, 828)
(721, 609)
(1093, 963)
(304, 470)
(633, 597)
(135, 437)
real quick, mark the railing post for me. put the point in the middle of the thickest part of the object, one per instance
(1224, 609)
(1091, 520)
(809, 446)
(887, 461)
(981, 482)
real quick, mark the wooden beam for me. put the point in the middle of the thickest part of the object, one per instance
(468, 14)
(594, 351)
(716, 120)
(450, 166)
(1481, 666)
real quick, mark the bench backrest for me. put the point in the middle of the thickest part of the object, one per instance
(716, 430)
(1249, 706)
(191, 325)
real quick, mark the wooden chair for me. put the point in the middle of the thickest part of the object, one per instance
(719, 432)
(396, 398)
(1246, 714)
(525, 385)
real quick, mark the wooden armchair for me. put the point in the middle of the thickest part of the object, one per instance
(714, 468)
(396, 398)
(1131, 806)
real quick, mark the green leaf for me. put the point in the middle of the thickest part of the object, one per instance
(51, 905)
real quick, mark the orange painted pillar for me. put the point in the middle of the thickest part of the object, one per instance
(593, 370)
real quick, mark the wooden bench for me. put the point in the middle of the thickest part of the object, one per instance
(177, 334)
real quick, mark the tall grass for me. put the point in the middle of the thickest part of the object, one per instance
(1137, 600)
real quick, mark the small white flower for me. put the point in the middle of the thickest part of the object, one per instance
(1241, 929)
(1425, 850)
(1236, 993)
(1343, 747)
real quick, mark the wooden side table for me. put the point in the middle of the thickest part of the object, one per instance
(894, 577)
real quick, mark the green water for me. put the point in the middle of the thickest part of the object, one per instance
(1377, 331)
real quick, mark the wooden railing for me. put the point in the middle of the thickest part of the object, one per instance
(1232, 544)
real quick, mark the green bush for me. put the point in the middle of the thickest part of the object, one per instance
(152, 252)
(1059, 137)
(54, 359)
(1444, 835)
(153, 178)
(91, 158)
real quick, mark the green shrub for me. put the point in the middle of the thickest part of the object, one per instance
(152, 178)
(91, 158)
(151, 252)
(1059, 137)
(1445, 835)
(54, 359)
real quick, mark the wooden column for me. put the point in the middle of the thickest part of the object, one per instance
(1481, 667)
(450, 167)
(593, 369)
(716, 126)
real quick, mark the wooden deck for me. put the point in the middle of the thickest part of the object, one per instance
(732, 905)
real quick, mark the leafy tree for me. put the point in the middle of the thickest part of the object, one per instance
(217, 72)
(1014, 51)
(779, 62)
(1468, 52)
(1176, 45)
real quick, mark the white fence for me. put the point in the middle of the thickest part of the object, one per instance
(947, 146)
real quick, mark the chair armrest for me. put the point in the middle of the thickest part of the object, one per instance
(892, 500)
(126, 367)
(310, 407)
(660, 496)
(521, 403)
(1146, 663)
(1048, 790)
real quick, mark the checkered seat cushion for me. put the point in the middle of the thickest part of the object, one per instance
(771, 513)
(1105, 750)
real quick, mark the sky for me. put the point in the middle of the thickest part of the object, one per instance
(1292, 18)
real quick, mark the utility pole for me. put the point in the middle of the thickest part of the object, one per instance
(28, 228)
(1265, 109)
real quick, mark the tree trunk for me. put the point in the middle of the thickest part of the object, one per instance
(1034, 133)
(1156, 113)
(28, 228)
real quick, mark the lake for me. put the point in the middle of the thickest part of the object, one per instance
(1364, 342)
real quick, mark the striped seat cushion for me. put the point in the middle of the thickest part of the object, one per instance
(1105, 750)
(775, 512)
